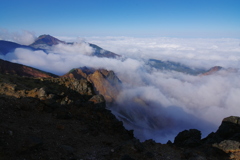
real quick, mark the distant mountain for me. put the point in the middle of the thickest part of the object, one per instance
(44, 41)
(22, 70)
(7, 46)
(211, 71)
(174, 66)
(99, 52)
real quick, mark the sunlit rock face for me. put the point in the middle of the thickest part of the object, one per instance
(105, 82)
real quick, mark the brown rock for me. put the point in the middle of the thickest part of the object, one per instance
(108, 87)
(228, 146)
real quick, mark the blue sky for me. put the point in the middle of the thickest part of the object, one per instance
(169, 18)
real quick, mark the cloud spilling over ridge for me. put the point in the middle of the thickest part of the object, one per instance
(24, 37)
(75, 48)
(157, 104)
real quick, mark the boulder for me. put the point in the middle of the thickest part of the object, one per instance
(188, 138)
(229, 128)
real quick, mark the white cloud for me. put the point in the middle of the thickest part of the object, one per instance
(75, 48)
(187, 101)
(24, 37)
(194, 52)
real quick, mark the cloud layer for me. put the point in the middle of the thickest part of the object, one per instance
(24, 37)
(157, 104)
(195, 52)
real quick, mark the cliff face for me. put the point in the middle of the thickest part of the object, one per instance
(104, 82)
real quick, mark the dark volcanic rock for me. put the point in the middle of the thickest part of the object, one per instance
(188, 138)
(229, 128)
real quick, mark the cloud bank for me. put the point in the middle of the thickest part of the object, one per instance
(195, 52)
(24, 37)
(157, 104)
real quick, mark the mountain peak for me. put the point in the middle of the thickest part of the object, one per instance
(47, 40)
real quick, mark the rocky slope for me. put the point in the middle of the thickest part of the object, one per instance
(50, 119)
(21, 70)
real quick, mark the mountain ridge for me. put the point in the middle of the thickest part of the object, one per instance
(7, 67)
(46, 42)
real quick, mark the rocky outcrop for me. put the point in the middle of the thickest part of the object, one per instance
(104, 82)
(82, 86)
(225, 141)
(188, 138)
(227, 137)
(79, 73)
(228, 130)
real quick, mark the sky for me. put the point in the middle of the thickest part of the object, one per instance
(138, 18)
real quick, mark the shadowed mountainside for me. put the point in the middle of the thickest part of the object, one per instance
(7, 46)
(21, 70)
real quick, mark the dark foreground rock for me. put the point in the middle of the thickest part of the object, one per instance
(188, 138)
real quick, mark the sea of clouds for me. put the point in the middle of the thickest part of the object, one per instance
(156, 104)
